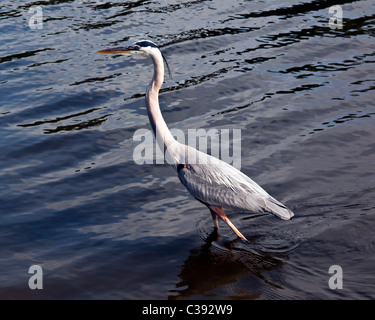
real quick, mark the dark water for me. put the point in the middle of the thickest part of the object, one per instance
(73, 201)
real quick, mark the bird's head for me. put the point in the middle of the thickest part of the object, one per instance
(145, 48)
(140, 48)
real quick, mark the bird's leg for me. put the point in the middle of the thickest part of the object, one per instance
(217, 211)
(214, 217)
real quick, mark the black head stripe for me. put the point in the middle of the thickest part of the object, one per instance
(146, 43)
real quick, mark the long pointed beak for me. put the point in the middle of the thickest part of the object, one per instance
(119, 50)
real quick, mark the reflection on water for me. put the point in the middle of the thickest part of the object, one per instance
(73, 200)
(217, 265)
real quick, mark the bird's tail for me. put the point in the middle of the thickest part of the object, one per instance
(278, 209)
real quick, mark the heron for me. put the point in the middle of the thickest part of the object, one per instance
(211, 181)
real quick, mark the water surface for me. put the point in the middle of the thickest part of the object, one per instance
(102, 227)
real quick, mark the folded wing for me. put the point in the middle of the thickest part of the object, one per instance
(217, 183)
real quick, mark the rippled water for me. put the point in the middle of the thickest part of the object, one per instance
(73, 201)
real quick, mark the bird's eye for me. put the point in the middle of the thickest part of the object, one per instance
(137, 47)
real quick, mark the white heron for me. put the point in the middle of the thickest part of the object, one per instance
(211, 181)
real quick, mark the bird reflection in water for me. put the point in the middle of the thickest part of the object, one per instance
(226, 269)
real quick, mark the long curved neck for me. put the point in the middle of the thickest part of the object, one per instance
(163, 136)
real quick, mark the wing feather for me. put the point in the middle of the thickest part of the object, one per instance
(217, 183)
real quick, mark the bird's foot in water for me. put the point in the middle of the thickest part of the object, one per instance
(219, 241)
